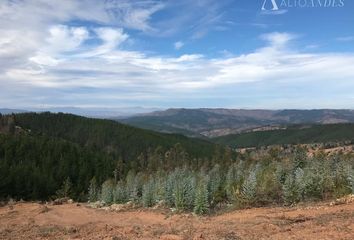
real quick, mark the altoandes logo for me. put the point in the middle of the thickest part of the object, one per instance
(281, 6)
(274, 3)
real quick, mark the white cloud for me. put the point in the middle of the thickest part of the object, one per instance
(121, 69)
(111, 39)
(63, 38)
(346, 39)
(178, 45)
(277, 39)
(189, 58)
(45, 59)
(24, 24)
(138, 14)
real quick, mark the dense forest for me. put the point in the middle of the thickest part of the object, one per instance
(38, 152)
(46, 156)
(291, 135)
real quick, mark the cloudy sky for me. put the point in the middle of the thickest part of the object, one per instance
(202, 53)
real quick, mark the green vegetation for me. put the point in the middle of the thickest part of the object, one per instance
(36, 167)
(47, 155)
(256, 182)
(291, 135)
(112, 137)
(38, 152)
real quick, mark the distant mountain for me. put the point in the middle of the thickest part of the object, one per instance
(292, 135)
(9, 111)
(96, 112)
(207, 122)
(99, 112)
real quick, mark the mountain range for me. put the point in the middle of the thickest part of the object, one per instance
(95, 112)
(208, 123)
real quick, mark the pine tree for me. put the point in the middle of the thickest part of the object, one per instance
(280, 173)
(178, 194)
(120, 193)
(214, 187)
(351, 180)
(160, 183)
(201, 205)
(181, 187)
(300, 156)
(314, 180)
(107, 192)
(289, 191)
(179, 190)
(132, 186)
(294, 186)
(343, 174)
(169, 186)
(248, 192)
(66, 189)
(148, 198)
(234, 179)
(300, 184)
(93, 191)
(189, 186)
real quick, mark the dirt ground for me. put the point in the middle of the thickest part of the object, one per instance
(72, 221)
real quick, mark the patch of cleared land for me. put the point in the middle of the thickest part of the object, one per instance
(75, 221)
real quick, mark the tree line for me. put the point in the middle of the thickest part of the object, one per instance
(242, 183)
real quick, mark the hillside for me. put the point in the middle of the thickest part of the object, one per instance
(126, 141)
(39, 151)
(55, 156)
(219, 122)
(291, 135)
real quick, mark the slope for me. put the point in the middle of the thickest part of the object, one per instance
(291, 135)
(39, 151)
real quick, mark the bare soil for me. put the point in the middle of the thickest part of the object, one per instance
(74, 221)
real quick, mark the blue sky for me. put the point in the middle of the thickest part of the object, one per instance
(203, 53)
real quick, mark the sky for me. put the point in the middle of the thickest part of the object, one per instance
(249, 54)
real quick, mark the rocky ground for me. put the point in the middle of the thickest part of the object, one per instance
(330, 220)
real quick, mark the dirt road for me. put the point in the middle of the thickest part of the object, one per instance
(69, 221)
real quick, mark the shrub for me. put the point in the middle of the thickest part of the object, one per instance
(107, 192)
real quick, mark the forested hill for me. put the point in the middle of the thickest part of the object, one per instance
(39, 151)
(291, 135)
(126, 141)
